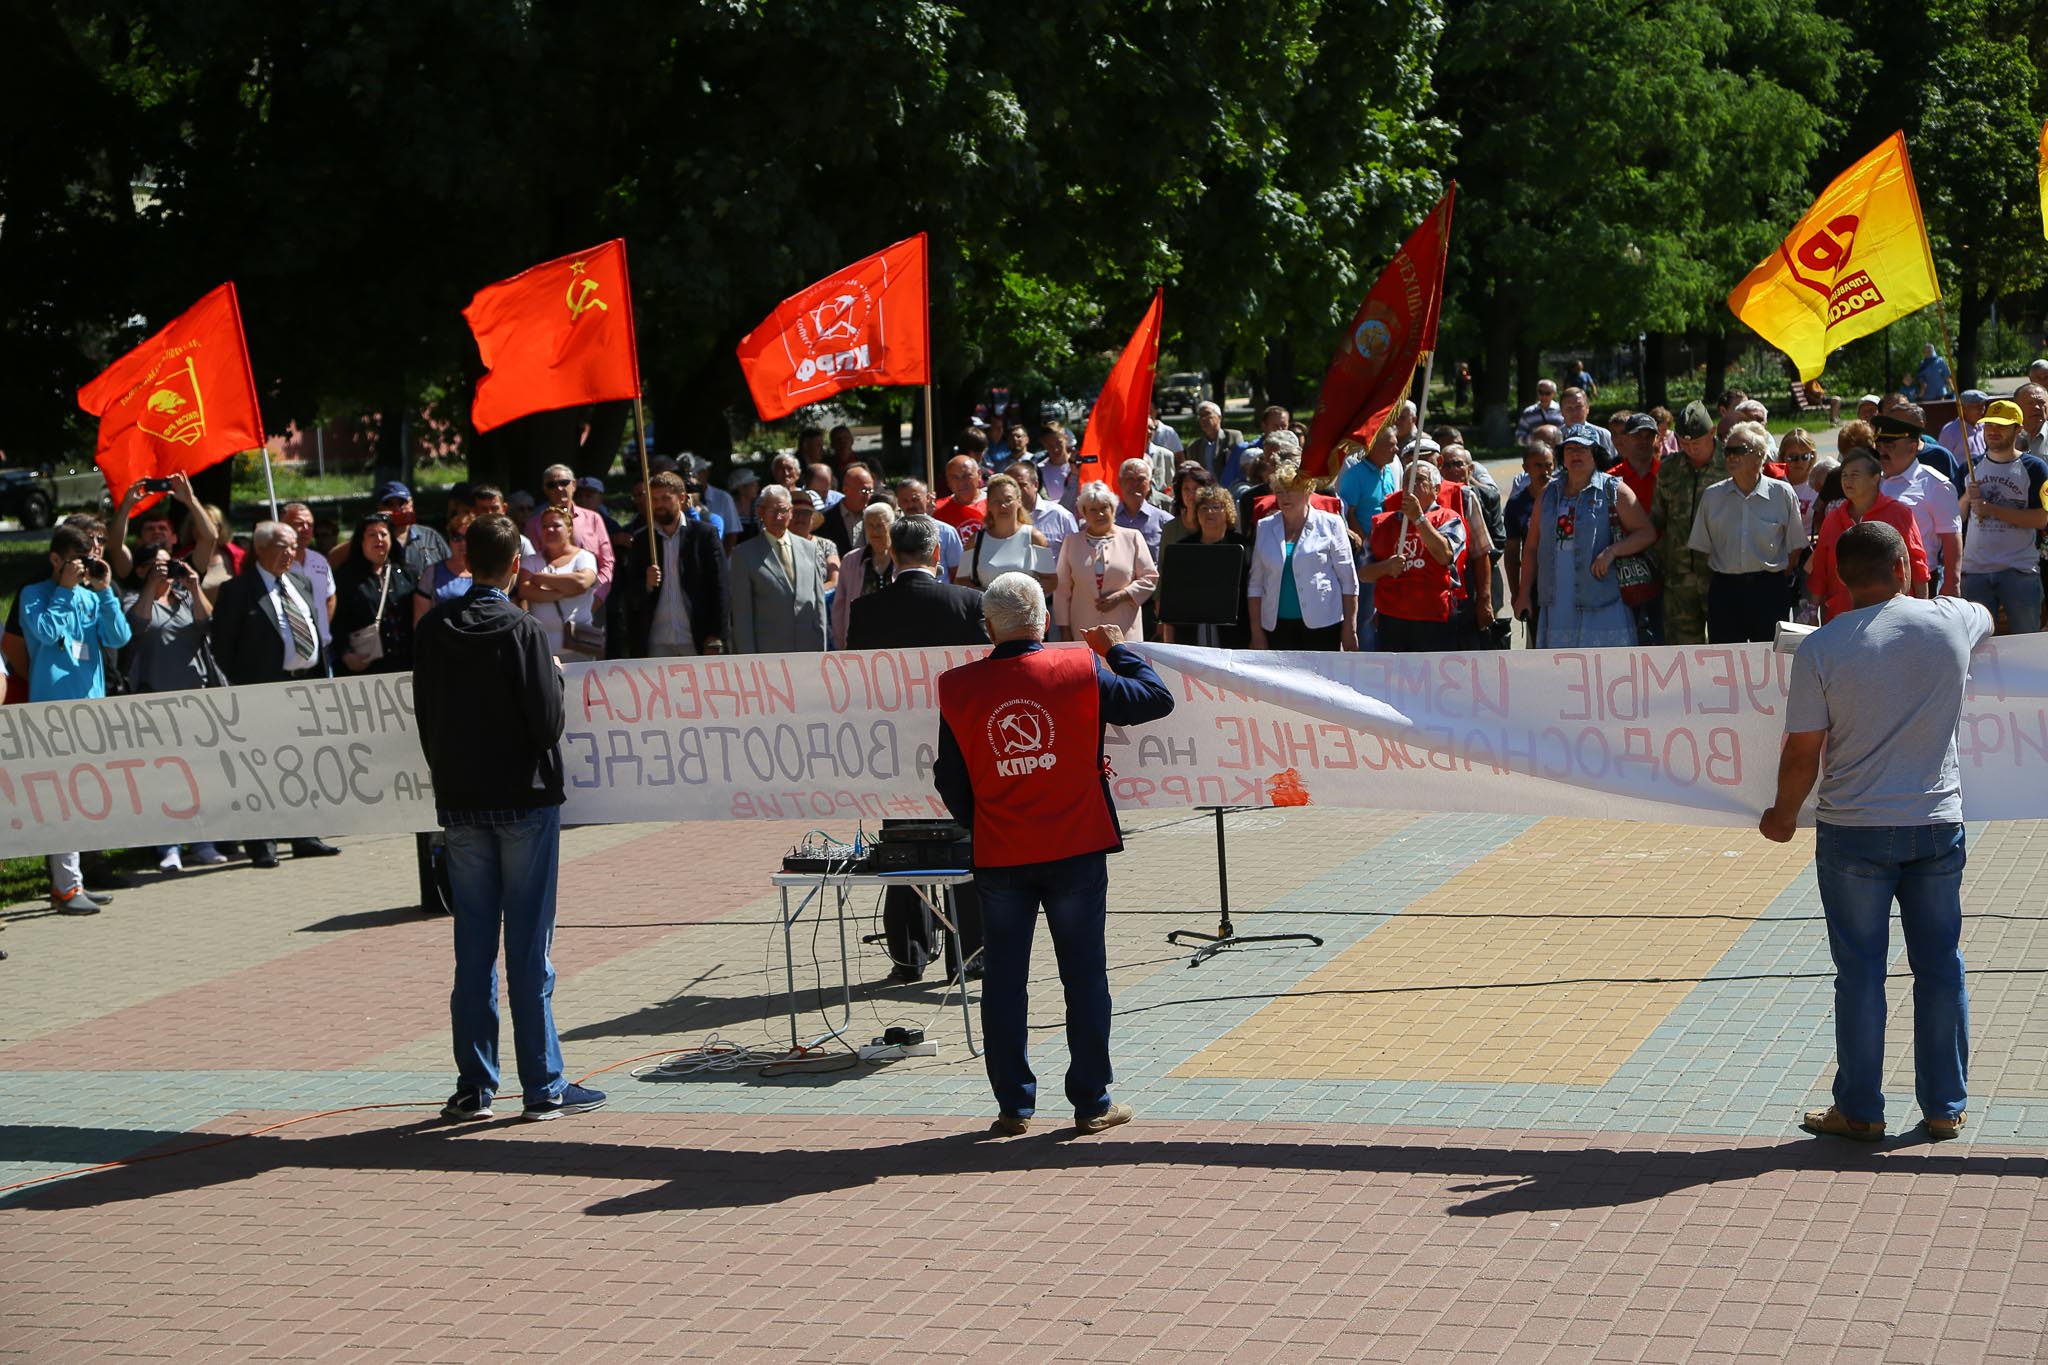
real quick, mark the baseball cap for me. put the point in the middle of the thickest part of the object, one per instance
(1695, 421)
(1871, 399)
(390, 489)
(2003, 413)
(1420, 444)
(594, 484)
(1640, 423)
(1581, 434)
(740, 478)
(1975, 396)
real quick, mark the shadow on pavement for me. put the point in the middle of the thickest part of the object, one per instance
(1504, 1180)
(367, 919)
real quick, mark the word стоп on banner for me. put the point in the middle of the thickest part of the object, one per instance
(1682, 734)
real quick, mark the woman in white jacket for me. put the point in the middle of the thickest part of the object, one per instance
(1304, 589)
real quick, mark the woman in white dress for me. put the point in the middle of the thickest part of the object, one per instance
(555, 582)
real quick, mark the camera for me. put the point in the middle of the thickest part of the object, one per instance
(156, 485)
(175, 569)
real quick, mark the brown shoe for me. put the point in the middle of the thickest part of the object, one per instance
(1941, 1130)
(1832, 1122)
(1108, 1118)
(1010, 1125)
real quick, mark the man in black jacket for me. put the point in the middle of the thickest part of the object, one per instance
(914, 611)
(481, 668)
(670, 604)
(264, 630)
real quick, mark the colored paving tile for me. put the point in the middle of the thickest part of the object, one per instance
(1609, 924)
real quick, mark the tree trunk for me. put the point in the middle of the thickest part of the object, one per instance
(1655, 389)
(600, 448)
(1717, 365)
(1491, 413)
(1280, 370)
(1967, 319)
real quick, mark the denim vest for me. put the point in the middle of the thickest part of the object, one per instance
(1592, 532)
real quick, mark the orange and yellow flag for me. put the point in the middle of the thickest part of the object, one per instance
(1858, 260)
(2041, 173)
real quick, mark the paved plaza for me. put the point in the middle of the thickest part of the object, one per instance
(1532, 1099)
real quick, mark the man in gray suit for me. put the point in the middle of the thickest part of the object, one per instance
(778, 585)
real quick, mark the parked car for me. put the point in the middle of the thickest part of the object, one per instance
(32, 496)
(1182, 391)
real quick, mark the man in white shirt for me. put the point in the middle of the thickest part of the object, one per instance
(1056, 467)
(1748, 527)
(1163, 433)
(315, 567)
(1053, 521)
(1932, 498)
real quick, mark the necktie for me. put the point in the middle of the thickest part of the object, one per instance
(788, 559)
(301, 627)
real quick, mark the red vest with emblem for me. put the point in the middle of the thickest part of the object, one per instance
(1425, 590)
(1030, 730)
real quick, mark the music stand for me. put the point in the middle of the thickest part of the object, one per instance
(1226, 935)
(1201, 586)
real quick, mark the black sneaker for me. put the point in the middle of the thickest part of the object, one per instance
(575, 1099)
(467, 1104)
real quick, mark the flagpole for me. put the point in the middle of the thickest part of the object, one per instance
(930, 473)
(646, 482)
(269, 481)
(1422, 403)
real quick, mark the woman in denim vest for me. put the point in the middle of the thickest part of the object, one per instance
(1570, 551)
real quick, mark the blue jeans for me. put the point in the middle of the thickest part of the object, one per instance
(1861, 871)
(501, 868)
(1075, 894)
(2017, 590)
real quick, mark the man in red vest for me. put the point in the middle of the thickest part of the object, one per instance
(1020, 764)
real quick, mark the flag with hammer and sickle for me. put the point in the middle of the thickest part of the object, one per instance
(556, 336)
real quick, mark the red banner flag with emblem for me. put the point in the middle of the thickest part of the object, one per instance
(182, 400)
(865, 325)
(1120, 423)
(1370, 374)
(555, 336)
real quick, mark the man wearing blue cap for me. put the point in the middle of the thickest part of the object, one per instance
(421, 547)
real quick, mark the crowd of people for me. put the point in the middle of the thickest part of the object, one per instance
(1646, 528)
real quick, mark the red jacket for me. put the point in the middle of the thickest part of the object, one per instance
(1821, 582)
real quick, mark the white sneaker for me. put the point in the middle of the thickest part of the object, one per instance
(169, 862)
(206, 855)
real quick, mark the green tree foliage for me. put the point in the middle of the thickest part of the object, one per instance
(359, 167)
(1622, 164)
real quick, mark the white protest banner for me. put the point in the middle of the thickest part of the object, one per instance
(1687, 734)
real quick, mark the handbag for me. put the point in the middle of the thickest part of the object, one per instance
(1636, 574)
(368, 641)
(584, 638)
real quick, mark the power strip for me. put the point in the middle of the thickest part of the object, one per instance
(892, 1052)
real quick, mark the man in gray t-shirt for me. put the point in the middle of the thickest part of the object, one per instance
(1875, 697)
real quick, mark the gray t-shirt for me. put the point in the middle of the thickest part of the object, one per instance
(1886, 683)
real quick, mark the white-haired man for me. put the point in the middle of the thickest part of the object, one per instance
(1021, 737)
(1214, 443)
(1543, 410)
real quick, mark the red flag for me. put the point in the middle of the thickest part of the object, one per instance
(1120, 424)
(1370, 374)
(182, 400)
(555, 336)
(867, 324)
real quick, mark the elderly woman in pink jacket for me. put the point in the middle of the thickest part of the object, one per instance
(1105, 572)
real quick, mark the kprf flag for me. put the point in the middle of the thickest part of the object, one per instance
(555, 336)
(865, 325)
(1858, 260)
(1120, 423)
(1369, 376)
(182, 400)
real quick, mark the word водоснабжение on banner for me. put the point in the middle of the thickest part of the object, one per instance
(1677, 734)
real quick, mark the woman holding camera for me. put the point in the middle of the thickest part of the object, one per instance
(168, 622)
